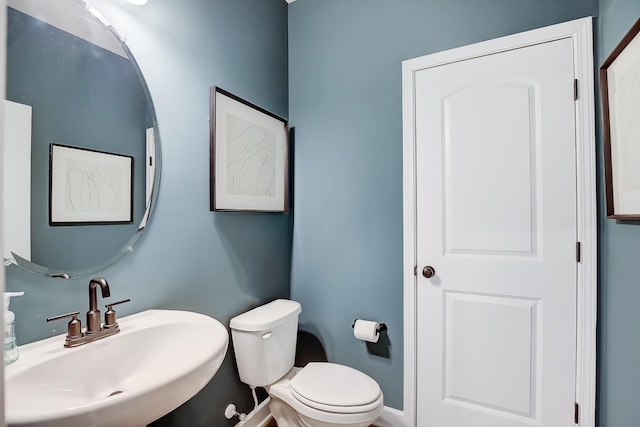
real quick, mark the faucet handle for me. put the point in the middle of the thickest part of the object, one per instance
(110, 315)
(74, 327)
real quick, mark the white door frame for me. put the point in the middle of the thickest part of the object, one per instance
(581, 32)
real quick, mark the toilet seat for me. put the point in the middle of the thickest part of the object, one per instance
(335, 388)
(327, 412)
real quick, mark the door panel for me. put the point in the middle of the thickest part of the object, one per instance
(477, 140)
(500, 334)
(496, 218)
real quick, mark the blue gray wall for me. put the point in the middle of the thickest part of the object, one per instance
(619, 283)
(345, 103)
(189, 258)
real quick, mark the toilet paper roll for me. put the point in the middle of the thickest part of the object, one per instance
(366, 330)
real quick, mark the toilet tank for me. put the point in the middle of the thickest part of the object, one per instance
(264, 341)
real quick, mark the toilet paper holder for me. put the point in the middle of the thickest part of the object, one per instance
(382, 326)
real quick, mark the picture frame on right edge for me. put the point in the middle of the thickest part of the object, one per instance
(620, 94)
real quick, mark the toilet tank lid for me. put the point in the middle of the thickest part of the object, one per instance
(266, 316)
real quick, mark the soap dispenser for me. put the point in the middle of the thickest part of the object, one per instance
(10, 346)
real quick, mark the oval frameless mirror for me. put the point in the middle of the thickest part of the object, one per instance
(81, 160)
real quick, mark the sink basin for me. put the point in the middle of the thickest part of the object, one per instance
(159, 360)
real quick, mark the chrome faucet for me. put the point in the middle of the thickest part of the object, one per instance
(93, 315)
(95, 330)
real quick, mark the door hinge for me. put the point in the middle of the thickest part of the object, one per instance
(575, 89)
(415, 270)
(578, 251)
(576, 412)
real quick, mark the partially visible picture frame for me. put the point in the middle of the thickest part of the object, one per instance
(248, 156)
(620, 95)
(89, 187)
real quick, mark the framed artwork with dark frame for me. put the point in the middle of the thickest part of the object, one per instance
(89, 187)
(620, 94)
(248, 156)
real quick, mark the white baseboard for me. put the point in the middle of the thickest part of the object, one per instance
(390, 418)
(261, 416)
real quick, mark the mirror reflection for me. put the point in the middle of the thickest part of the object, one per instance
(71, 82)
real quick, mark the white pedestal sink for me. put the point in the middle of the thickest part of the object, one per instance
(158, 361)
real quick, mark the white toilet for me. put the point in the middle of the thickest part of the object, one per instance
(319, 395)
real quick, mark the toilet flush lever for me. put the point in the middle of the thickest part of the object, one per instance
(428, 272)
(267, 335)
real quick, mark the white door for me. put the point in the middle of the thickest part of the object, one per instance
(496, 220)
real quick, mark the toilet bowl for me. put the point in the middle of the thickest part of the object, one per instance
(326, 394)
(321, 394)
